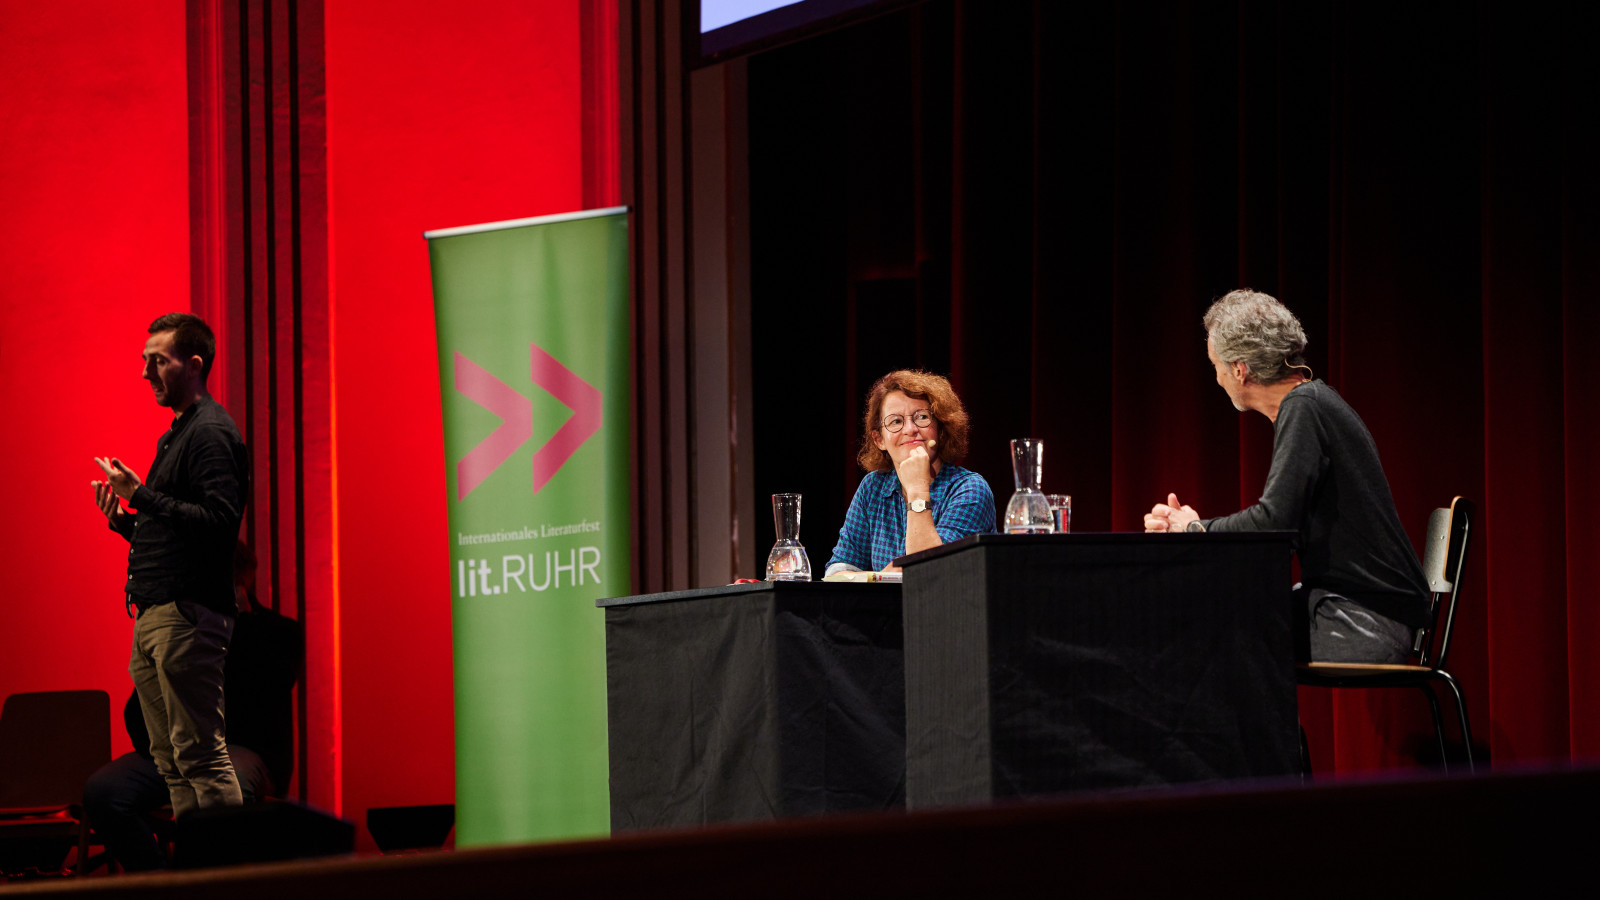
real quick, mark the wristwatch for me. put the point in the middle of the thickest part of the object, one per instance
(920, 505)
(1195, 526)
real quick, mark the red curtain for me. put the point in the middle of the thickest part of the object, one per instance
(311, 261)
(1042, 199)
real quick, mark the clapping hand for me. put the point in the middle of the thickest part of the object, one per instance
(107, 500)
(119, 477)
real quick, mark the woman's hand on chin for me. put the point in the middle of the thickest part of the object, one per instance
(916, 470)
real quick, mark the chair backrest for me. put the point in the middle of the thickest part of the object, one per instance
(1443, 559)
(50, 743)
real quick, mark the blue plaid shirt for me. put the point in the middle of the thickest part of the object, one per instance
(874, 532)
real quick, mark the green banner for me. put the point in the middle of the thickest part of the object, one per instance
(533, 362)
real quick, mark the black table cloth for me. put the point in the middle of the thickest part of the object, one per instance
(754, 701)
(1043, 664)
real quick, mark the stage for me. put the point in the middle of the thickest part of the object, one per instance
(1508, 832)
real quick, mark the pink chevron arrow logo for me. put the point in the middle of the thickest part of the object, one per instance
(580, 396)
(516, 414)
(476, 384)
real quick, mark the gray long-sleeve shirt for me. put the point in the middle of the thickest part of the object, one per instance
(1327, 483)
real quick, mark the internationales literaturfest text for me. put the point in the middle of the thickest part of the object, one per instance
(527, 533)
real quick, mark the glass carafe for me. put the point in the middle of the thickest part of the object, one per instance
(1029, 511)
(787, 561)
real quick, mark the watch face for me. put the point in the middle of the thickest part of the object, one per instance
(919, 505)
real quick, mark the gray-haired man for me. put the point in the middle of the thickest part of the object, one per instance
(1362, 588)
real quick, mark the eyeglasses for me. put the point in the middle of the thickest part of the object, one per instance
(922, 418)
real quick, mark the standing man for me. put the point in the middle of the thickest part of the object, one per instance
(181, 533)
(1363, 593)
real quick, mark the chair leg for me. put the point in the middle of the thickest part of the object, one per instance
(81, 867)
(1438, 725)
(1461, 709)
(1305, 756)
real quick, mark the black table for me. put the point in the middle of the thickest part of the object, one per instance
(754, 701)
(1051, 663)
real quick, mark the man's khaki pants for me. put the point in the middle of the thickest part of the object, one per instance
(176, 664)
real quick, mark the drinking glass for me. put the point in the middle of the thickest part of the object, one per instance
(1060, 511)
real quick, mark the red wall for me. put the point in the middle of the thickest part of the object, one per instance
(94, 243)
(438, 115)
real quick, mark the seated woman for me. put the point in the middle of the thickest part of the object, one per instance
(914, 496)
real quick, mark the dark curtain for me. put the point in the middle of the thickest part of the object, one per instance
(1041, 199)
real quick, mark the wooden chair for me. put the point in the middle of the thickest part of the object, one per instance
(1443, 559)
(50, 743)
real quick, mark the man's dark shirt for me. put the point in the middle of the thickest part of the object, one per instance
(1327, 484)
(188, 512)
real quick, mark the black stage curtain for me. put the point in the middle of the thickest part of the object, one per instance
(1041, 199)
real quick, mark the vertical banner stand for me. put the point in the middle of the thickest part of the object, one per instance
(532, 322)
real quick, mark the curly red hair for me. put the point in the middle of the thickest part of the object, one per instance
(942, 401)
